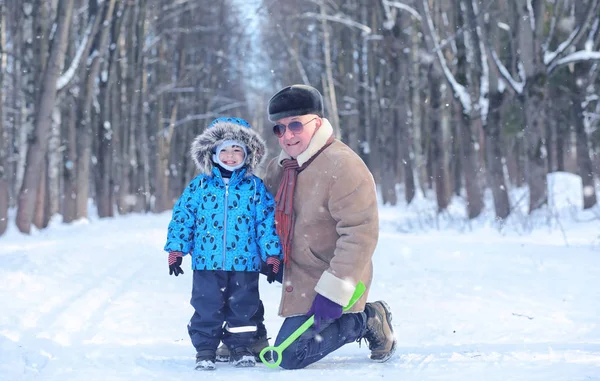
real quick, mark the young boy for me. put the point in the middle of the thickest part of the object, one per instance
(225, 219)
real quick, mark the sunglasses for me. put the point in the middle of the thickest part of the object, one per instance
(296, 127)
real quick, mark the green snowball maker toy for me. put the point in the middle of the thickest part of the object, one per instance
(278, 350)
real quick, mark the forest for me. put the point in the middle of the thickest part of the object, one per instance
(101, 98)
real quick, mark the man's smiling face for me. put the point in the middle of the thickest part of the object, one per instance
(296, 143)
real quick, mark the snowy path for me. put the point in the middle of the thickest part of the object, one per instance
(95, 302)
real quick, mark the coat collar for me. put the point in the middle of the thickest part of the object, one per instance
(235, 176)
(317, 142)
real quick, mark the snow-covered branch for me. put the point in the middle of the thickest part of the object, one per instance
(589, 43)
(516, 86)
(551, 56)
(390, 17)
(68, 75)
(579, 56)
(575, 36)
(531, 15)
(339, 19)
(404, 7)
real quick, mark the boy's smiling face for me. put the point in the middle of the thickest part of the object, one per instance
(232, 155)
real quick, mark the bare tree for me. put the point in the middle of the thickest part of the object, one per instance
(581, 79)
(84, 120)
(472, 96)
(47, 96)
(139, 80)
(106, 126)
(493, 131)
(536, 63)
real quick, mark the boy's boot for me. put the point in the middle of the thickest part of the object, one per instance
(260, 344)
(241, 357)
(222, 353)
(205, 360)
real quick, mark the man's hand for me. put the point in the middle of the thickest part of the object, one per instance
(175, 260)
(273, 268)
(324, 309)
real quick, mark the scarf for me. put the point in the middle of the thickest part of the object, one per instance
(284, 200)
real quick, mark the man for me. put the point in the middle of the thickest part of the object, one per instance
(328, 222)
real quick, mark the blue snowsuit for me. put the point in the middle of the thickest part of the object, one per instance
(229, 229)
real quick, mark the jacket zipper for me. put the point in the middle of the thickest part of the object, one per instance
(225, 225)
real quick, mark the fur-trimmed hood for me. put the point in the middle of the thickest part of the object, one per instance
(221, 130)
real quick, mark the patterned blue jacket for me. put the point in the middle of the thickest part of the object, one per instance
(225, 226)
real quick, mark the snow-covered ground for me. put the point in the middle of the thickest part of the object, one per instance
(471, 300)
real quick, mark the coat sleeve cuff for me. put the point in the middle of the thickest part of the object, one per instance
(335, 289)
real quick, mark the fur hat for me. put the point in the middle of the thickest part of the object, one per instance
(218, 132)
(295, 100)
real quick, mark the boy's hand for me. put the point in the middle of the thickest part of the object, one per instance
(273, 266)
(175, 260)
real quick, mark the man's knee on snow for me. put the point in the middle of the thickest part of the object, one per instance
(293, 357)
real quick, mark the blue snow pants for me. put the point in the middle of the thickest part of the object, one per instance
(224, 296)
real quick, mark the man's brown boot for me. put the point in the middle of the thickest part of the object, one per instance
(380, 334)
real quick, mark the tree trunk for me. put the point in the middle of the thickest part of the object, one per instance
(372, 124)
(106, 126)
(363, 93)
(390, 72)
(125, 75)
(494, 157)
(104, 165)
(494, 140)
(581, 78)
(349, 116)
(471, 167)
(405, 151)
(37, 150)
(561, 142)
(4, 165)
(69, 122)
(165, 133)
(142, 177)
(330, 88)
(163, 136)
(84, 120)
(54, 165)
(416, 108)
(388, 152)
(551, 132)
(521, 156)
(135, 167)
(14, 173)
(401, 100)
(534, 138)
(29, 78)
(439, 170)
(40, 202)
(584, 161)
(531, 55)
(467, 129)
